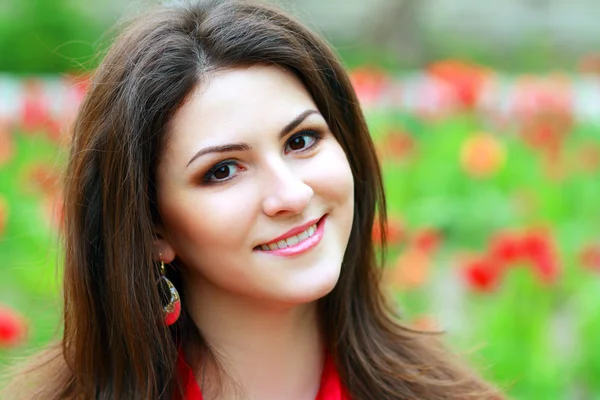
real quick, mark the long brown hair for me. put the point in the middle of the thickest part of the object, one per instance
(114, 344)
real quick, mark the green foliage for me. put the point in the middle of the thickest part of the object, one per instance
(42, 36)
(538, 340)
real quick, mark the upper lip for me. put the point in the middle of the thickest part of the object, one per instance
(295, 231)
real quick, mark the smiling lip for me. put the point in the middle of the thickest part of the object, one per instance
(295, 231)
(303, 245)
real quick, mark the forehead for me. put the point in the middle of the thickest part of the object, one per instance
(234, 103)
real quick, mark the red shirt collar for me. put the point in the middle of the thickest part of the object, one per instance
(330, 389)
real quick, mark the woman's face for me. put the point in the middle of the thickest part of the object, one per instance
(255, 194)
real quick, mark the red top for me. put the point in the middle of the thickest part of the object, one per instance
(330, 389)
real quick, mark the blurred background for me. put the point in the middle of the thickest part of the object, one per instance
(486, 117)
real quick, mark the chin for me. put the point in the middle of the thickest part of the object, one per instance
(313, 289)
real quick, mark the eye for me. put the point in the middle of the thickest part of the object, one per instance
(302, 141)
(221, 172)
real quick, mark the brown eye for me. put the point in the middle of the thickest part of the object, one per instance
(302, 141)
(298, 143)
(222, 172)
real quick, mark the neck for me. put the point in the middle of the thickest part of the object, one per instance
(265, 351)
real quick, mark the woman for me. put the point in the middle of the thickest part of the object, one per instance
(220, 195)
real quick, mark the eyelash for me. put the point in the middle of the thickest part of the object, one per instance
(316, 136)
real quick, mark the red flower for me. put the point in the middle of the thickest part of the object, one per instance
(396, 145)
(467, 80)
(12, 327)
(35, 112)
(482, 273)
(394, 234)
(427, 240)
(506, 248)
(369, 84)
(544, 109)
(539, 249)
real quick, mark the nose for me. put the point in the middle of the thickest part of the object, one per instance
(285, 191)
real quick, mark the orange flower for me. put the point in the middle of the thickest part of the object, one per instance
(589, 257)
(482, 155)
(425, 323)
(588, 157)
(411, 270)
(13, 328)
(42, 178)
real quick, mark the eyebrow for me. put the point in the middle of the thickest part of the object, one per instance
(227, 148)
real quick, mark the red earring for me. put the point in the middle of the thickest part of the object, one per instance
(172, 310)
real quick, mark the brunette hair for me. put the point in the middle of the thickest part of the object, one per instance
(115, 345)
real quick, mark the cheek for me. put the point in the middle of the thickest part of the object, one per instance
(197, 222)
(335, 178)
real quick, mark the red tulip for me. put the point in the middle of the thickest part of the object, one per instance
(35, 112)
(13, 328)
(482, 273)
(467, 80)
(506, 248)
(369, 84)
(396, 145)
(427, 240)
(539, 250)
(394, 234)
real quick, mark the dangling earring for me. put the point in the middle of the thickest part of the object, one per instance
(172, 310)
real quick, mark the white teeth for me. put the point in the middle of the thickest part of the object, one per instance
(303, 235)
(282, 244)
(292, 240)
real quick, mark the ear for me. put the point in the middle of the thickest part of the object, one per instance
(162, 247)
